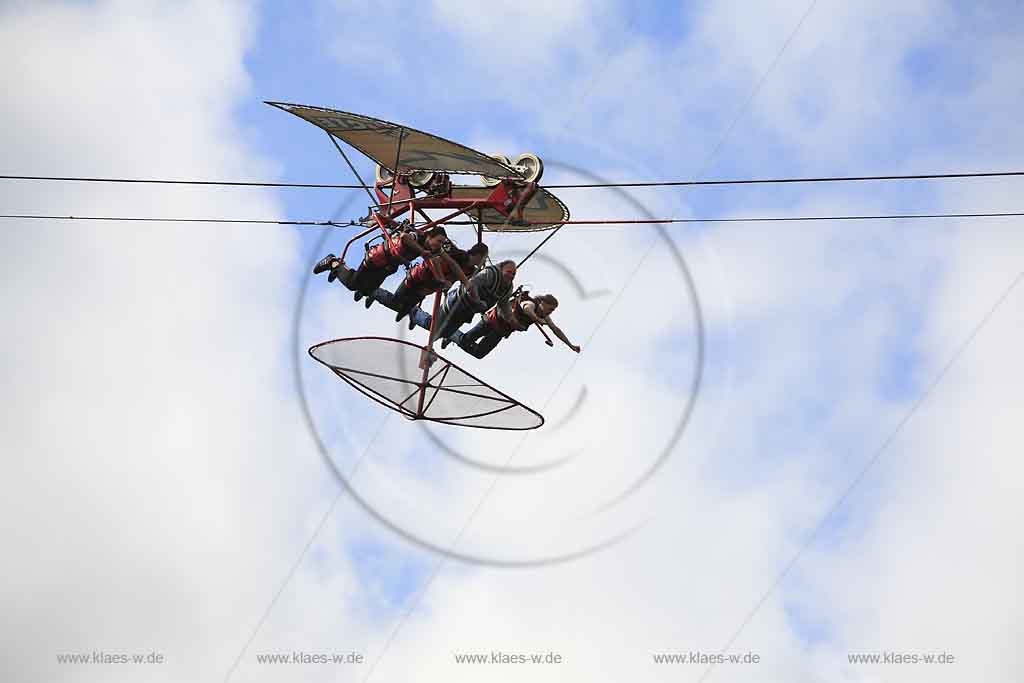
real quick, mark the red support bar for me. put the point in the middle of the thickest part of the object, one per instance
(425, 361)
(349, 243)
(506, 198)
(447, 218)
(501, 199)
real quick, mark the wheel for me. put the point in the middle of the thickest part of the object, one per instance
(421, 178)
(491, 182)
(534, 167)
(383, 174)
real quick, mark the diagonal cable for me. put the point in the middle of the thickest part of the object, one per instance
(868, 466)
(323, 520)
(305, 550)
(494, 482)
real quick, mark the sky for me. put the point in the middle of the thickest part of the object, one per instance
(791, 440)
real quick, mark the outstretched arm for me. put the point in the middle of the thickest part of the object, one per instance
(561, 335)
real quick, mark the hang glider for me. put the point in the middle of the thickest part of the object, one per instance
(413, 175)
(379, 141)
(413, 171)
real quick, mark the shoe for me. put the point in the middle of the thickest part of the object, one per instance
(399, 316)
(412, 322)
(338, 272)
(369, 301)
(445, 342)
(329, 262)
(357, 296)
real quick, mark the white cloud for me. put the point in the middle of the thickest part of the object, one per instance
(158, 480)
(154, 439)
(812, 323)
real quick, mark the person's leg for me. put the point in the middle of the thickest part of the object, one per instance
(449, 302)
(397, 301)
(487, 343)
(451, 327)
(335, 269)
(457, 339)
(384, 297)
(419, 317)
(369, 277)
(405, 300)
(343, 274)
(358, 276)
(404, 305)
(480, 343)
(467, 341)
(455, 317)
(329, 262)
(472, 334)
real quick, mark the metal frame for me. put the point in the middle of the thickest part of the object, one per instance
(350, 377)
(509, 198)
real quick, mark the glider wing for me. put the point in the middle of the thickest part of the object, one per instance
(386, 370)
(379, 141)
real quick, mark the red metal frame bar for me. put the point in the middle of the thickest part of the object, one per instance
(507, 198)
(349, 243)
(427, 353)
